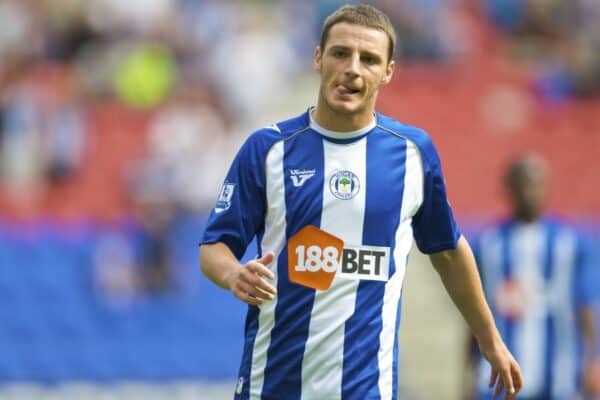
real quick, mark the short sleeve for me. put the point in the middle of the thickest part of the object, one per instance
(587, 273)
(239, 211)
(434, 226)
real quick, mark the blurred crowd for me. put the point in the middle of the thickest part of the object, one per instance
(208, 72)
(188, 62)
(561, 38)
(210, 66)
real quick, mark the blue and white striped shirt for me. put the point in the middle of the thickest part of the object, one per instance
(536, 277)
(375, 188)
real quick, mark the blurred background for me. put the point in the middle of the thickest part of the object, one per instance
(118, 120)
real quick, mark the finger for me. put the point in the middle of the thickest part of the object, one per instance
(267, 259)
(264, 294)
(260, 269)
(508, 395)
(507, 382)
(498, 390)
(246, 298)
(493, 378)
(260, 283)
(254, 291)
(260, 293)
(243, 292)
(517, 378)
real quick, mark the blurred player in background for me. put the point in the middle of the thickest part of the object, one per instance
(335, 197)
(538, 278)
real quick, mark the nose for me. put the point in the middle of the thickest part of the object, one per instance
(352, 66)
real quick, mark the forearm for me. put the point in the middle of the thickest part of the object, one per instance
(588, 329)
(218, 263)
(458, 272)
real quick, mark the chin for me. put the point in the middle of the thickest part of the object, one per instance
(344, 107)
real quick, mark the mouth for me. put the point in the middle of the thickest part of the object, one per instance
(343, 89)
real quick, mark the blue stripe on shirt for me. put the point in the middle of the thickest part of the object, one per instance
(361, 343)
(283, 372)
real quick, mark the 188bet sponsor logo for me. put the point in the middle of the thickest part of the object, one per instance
(315, 257)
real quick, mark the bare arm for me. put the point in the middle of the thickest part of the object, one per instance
(588, 329)
(458, 272)
(246, 282)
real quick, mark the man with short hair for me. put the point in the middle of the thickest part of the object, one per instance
(539, 279)
(335, 197)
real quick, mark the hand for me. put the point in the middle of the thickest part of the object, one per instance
(506, 373)
(247, 283)
(590, 376)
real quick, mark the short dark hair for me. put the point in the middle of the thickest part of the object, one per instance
(364, 15)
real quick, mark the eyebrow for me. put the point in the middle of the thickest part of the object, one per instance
(365, 52)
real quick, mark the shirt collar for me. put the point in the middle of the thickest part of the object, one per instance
(339, 135)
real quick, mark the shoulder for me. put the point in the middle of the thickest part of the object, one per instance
(293, 125)
(567, 233)
(262, 140)
(559, 226)
(419, 137)
(500, 227)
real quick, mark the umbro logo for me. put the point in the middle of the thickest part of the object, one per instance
(300, 176)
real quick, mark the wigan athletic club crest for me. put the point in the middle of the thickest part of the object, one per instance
(344, 185)
(224, 200)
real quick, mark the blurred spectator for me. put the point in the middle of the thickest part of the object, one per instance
(187, 144)
(145, 75)
(18, 25)
(43, 130)
(506, 14)
(238, 66)
(21, 136)
(426, 30)
(116, 280)
(133, 262)
(67, 31)
(64, 127)
(539, 279)
(560, 38)
(139, 17)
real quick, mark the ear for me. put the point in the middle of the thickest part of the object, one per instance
(317, 59)
(389, 72)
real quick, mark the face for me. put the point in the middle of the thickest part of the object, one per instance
(527, 190)
(353, 66)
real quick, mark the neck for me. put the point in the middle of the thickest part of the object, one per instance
(527, 216)
(340, 122)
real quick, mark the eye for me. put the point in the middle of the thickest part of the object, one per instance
(369, 60)
(338, 53)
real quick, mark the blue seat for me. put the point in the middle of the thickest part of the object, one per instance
(58, 328)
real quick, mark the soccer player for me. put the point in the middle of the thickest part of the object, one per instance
(538, 278)
(335, 197)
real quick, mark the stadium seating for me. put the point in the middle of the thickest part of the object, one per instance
(56, 324)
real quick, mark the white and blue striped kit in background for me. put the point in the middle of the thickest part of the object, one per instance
(537, 276)
(377, 187)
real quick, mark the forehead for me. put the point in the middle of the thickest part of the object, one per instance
(358, 36)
